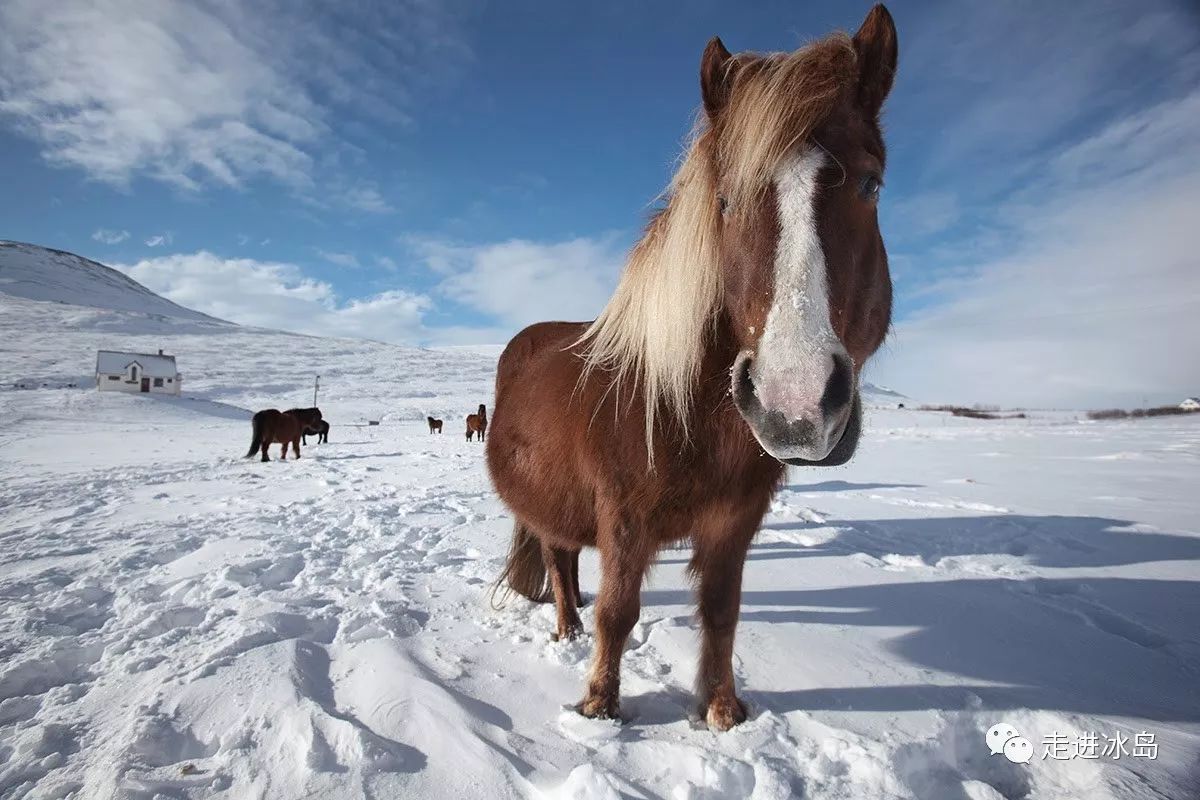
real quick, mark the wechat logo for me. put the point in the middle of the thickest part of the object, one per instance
(1003, 738)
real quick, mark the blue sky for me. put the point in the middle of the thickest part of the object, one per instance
(441, 173)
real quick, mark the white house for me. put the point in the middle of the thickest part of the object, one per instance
(1191, 404)
(137, 372)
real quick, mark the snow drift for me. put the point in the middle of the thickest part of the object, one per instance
(178, 621)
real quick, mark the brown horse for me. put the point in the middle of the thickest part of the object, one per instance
(435, 425)
(731, 347)
(477, 423)
(273, 426)
(319, 430)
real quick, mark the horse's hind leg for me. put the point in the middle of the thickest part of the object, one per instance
(575, 579)
(265, 444)
(295, 446)
(558, 566)
(283, 450)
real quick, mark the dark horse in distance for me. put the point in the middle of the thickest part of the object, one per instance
(731, 348)
(477, 423)
(435, 425)
(273, 426)
(320, 430)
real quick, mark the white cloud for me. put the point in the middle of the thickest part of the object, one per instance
(365, 198)
(518, 282)
(348, 260)
(108, 236)
(210, 91)
(160, 239)
(279, 296)
(1094, 298)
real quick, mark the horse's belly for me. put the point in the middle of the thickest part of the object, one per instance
(543, 492)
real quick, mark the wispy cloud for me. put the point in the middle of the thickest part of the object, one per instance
(517, 282)
(211, 92)
(1037, 235)
(365, 198)
(1094, 300)
(280, 296)
(348, 260)
(109, 236)
(160, 239)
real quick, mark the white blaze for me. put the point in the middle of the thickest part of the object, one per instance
(795, 354)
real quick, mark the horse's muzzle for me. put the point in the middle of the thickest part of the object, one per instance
(827, 436)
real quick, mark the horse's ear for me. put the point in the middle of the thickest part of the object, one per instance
(716, 77)
(875, 44)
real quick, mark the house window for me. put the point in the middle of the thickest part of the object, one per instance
(158, 382)
(133, 374)
(114, 377)
(168, 380)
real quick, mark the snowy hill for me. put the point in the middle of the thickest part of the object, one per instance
(180, 621)
(41, 273)
(58, 309)
(881, 392)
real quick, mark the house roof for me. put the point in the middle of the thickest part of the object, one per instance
(111, 362)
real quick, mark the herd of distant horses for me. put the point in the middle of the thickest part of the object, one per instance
(294, 426)
(730, 349)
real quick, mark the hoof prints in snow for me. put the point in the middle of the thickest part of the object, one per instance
(179, 621)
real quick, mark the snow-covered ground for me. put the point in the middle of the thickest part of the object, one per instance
(179, 621)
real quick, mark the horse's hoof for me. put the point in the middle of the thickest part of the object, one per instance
(724, 713)
(570, 634)
(603, 707)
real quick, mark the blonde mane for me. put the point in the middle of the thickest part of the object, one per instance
(655, 326)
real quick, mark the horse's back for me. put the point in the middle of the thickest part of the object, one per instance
(529, 350)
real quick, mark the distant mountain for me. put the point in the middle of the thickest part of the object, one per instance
(41, 273)
(882, 391)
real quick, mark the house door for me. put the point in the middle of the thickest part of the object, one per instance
(145, 384)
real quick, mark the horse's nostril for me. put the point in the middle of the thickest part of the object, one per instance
(839, 389)
(741, 376)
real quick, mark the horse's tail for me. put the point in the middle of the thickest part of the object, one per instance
(525, 572)
(256, 426)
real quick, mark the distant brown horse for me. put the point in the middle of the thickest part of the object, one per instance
(319, 430)
(435, 425)
(273, 426)
(731, 348)
(477, 423)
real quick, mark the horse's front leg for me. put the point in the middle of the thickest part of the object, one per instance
(623, 559)
(721, 540)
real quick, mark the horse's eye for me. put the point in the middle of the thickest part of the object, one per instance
(871, 187)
